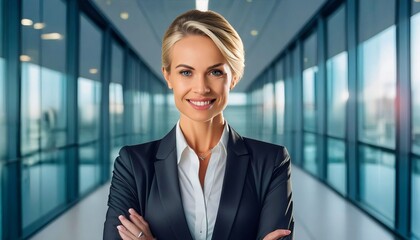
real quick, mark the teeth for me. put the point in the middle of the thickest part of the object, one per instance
(200, 103)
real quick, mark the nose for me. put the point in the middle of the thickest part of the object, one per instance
(201, 85)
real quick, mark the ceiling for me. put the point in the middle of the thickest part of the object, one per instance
(265, 26)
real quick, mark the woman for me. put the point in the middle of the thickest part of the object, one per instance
(202, 180)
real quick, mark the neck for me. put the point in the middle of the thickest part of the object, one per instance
(202, 136)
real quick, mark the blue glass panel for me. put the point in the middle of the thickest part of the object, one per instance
(377, 182)
(309, 105)
(337, 95)
(89, 167)
(116, 109)
(3, 128)
(415, 198)
(377, 76)
(280, 102)
(310, 153)
(43, 185)
(336, 165)
(415, 80)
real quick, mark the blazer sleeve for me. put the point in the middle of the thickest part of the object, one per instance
(277, 207)
(122, 194)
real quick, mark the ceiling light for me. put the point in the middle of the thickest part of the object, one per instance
(26, 22)
(254, 32)
(93, 71)
(249, 1)
(202, 5)
(24, 58)
(416, 0)
(108, 2)
(51, 36)
(39, 25)
(124, 15)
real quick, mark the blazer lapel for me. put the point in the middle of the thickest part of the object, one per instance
(233, 183)
(167, 181)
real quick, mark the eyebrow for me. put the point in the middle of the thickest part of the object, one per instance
(189, 67)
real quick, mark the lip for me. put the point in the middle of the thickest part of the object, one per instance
(201, 104)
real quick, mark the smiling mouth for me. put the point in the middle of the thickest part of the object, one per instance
(201, 104)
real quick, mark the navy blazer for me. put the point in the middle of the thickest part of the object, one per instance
(256, 195)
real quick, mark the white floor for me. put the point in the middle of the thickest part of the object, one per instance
(320, 214)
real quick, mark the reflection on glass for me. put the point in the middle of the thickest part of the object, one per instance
(116, 144)
(337, 94)
(30, 108)
(116, 109)
(415, 198)
(89, 97)
(310, 153)
(159, 112)
(43, 185)
(3, 128)
(378, 89)
(236, 111)
(43, 103)
(89, 168)
(309, 106)
(280, 100)
(268, 109)
(415, 81)
(377, 182)
(1, 195)
(336, 165)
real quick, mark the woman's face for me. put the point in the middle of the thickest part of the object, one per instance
(200, 78)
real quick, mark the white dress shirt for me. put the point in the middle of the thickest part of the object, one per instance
(201, 206)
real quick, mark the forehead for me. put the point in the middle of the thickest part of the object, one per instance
(196, 50)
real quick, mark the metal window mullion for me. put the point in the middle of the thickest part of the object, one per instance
(403, 120)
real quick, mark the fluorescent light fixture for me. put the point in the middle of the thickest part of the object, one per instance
(24, 58)
(51, 36)
(254, 32)
(124, 15)
(26, 22)
(93, 71)
(39, 26)
(202, 5)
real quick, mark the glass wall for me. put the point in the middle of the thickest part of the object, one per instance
(116, 101)
(377, 175)
(337, 95)
(3, 129)
(415, 108)
(377, 87)
(309, 79)
(415, 197)
(43, 108)
(377, 64)
(279, 99)
(415, 76)
(268, 106)
(89, 100)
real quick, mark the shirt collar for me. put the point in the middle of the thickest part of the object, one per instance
(181, 143)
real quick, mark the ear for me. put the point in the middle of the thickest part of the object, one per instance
(166, 75)
(233, 83)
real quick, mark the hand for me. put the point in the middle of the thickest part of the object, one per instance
(274, 235)
(134, 228)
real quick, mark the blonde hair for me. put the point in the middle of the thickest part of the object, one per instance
(212, 25)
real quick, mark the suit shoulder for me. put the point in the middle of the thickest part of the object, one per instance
(263, 151)
(263, 146)
(139, 151)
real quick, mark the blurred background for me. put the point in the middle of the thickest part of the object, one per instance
(335, 81)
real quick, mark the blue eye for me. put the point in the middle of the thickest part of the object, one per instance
(185, 73)
(216, 73)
